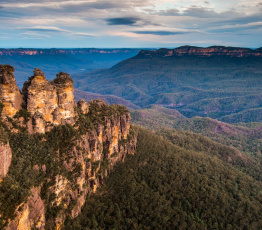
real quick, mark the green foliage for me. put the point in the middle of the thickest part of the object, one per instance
(24, 114)
(164, 186)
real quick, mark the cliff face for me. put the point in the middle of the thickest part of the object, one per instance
(203, 52)
(78, 146)
(10, 95)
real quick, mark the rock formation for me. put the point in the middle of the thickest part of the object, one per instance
(91, 138)
(65, 96)
(10, 95)
(49, 102)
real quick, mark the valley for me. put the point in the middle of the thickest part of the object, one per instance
(179, 147)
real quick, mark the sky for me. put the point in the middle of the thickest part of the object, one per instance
(130, 23)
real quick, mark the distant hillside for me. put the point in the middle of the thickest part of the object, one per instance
(52, 61)
(246, 138)
(111, 99)
(209, 82)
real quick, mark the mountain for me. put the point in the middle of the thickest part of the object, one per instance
(209, 82)
(52, 61)
(54, 152)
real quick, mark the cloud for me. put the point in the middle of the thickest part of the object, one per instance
(35, 35)
(161, 32)
(86, 35)
(51, 29)
(236, 28)
(170, 12)
(130, 21)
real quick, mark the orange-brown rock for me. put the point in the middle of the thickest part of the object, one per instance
(41, 98)
(10, 95)
(83, 106)
(50, 103)
(65, 95)
(32, 215)
(5, 159)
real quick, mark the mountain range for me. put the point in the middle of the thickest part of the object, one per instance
(218, 82)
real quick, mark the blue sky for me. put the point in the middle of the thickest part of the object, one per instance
(130, 23)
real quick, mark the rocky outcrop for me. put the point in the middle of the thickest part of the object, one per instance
(94, 136)
(83, 106)
(65, 96)
(202, 52)
(50, 103)
(32, 215)
(10, 95)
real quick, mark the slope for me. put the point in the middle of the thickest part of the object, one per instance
(164, 186)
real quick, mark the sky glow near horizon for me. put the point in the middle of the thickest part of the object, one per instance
(129, 23)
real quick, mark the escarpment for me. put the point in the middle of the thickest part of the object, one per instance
(61, 152)
(202, 52)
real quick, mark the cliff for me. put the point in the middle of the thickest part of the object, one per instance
(202, 52)
(61, 152)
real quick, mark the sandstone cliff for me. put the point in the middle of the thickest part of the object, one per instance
(202, 52)
(62, 152)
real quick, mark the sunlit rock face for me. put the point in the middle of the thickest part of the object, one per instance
(41, 96)
(83, 106)
(5, 159)
(65, 95)
(10, 95)
(50, 103)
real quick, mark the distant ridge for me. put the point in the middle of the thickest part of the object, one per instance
(202, 52)
(32, 51)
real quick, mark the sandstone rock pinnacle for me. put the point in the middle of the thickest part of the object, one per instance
(10, 95)
(49, 102)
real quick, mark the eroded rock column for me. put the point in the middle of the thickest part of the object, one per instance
(10, 95)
